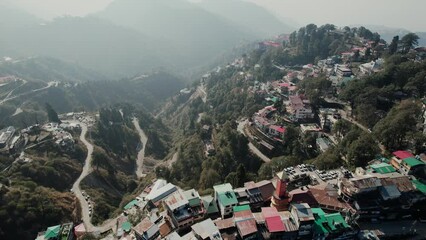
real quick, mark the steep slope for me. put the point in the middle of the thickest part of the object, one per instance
(48, 69)
(248, 15)
(194, 32)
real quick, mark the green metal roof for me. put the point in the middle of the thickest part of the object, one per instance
(383, 168)
(420, 186)
(131, 204)
(52, 232)
(193, 197)
(126, 226)
(227, 198)
(328, 223)
(241, 208)
(412, 162)
(210, 204)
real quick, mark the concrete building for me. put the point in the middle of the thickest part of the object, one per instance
(304, 218)
(225, 198)
(146, 230)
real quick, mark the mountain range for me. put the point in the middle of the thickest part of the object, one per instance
(130, 37)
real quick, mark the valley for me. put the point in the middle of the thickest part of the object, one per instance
(210, 119)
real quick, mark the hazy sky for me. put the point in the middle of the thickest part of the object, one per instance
(409, 14)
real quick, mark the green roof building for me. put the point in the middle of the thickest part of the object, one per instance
(409, 163)
(126, 226)
(330, 225)
(419, 186)
(225, 197)
(241, 208)
(210, 205)
(52, 232)
(193, 197)
(131, 204)
(382, 168)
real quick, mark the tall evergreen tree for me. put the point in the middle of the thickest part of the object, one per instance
(52, 114)
(394, 45)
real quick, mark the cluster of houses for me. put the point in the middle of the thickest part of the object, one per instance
(259, 210)
(387, 189)
(58, 232)
(61, 136)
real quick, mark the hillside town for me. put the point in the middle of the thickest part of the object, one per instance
(300, 202)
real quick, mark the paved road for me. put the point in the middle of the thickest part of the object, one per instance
(87, 169)
(253, 149)
(141, 153)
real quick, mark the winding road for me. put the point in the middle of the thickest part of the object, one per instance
(141, 153)
(253, 149)
(87, 169)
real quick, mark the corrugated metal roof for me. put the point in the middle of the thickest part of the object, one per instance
(176, 200)
(205, 229)
(275, 224)
(241, 208)
(246, 227)
(224, 223)
(402, 154)
(412, 162)
(268, 212)
(304, 211)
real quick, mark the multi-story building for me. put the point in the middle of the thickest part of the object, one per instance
(146, 230)
(300, 108)
(225, 198)
(304, 218)
(184, 208)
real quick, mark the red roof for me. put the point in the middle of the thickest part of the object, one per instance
(277, 128)
(275, 224)
(284, 84)
(402, 154)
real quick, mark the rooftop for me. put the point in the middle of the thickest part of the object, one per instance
(310, 127)
(328, 223)
(266, 189)
(209, 204)
(227, 198)
(383, 168)
(304, 211)
(131, 204)
(143, 226)
(275, 224)
(206, 230)
(402, 154)
(176, 200)
(241, 208)
(419, 186)
(226, 187)
(193, 197)
(224, 223)
(246, 227)
(412, 162)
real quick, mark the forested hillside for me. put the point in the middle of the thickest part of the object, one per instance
(386, 102)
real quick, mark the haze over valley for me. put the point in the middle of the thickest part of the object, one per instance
(212, 119)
